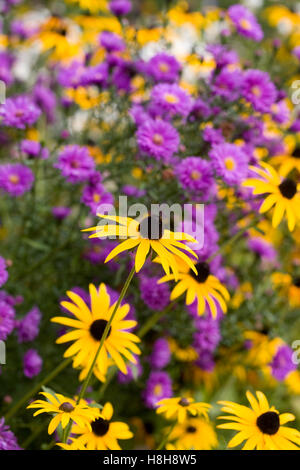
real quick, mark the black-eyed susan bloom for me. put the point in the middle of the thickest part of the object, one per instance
(193, 434)
(281, 193)
(64, 410)
(103, 433)
(261, 426)
(88, 327)
(202, 286)
(148, 234)
(181, 408)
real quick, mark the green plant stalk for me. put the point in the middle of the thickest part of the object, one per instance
(36, 388)
(165, 440)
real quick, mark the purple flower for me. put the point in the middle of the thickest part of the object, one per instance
(3, 272)
(206, 361)
(8, 440)
(19, 111)
(61, 212)
(281, 112)
(46, 100)
(15, 179)
(158, 139)
(229, 162)
(99, 250)
(213, 136)
(28, 326)
(158, 386)
(7, 319)
(112, 42)
(171, 99)
(163, 68)
(131, 190)
(207, 335)
(153, 295)
(6, 62)
(95, 195)
(296, 52)
(120, 7)
(222, 55)
(195, 174)
(262, 248)
(32, 148)
(227, 84)
(258, 89)
(75, 163)
(245, 22)
(96, 75)
(70, 76)
(282, 363)
(161, 354)
(32, 363)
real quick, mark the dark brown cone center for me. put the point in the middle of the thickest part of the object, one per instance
(268, 422)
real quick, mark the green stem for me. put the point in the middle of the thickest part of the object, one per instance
(36, 388)
(165, 440)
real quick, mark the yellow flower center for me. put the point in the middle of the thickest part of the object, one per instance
(170, 98)
(14, 179)
(229, 163)
(96, 197)
(245, 24)
(163, 67)
(157, 390)
(256, 91)
(195, 175)
(157, 139)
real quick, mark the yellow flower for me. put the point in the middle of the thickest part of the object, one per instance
(195, 433)
(283, 194)
(88, 328)
(102, 433)
(65, 409)
(149, 234)
(262, 348)
(202, 286)
(181, 408)
(261, 426)
(92, 5)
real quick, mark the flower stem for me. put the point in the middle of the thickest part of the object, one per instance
(165, 440)
(36, 388)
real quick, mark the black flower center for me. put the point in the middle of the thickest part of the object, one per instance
(191, 429)
(151, 227)
(66, 407)
(296, 153)
(268, 422)
(97, 329)
(203, 272)
(296, 281)
(100, 427)
(288, 188)
(184, 402)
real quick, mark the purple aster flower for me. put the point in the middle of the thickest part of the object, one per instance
(158, 386)
(281, 112)
(171, 99)
(258, 89)
(70, 76)
(229, 162)
(131, 190)
(32, 363)
(97, 75)
(8, 440)
(15, 179)
(152, 293)
(3, 272)
(213, 136)
(75, 163)
(28, 326)
(19, 111)
(98, 250)
(200, 110)
(158, 139)
(163, 68)
(195, 174)
(161, 354)
(282, 363)
(61, 212)
(6, 63)
(262, 248)
(206, 361)
(7, 319)
(134, 371)
(245, 22)
(120, 7)
(222, 55)
(112, 42)
(32, 148)
(227, 84)
(138, 114)
(95, 195)
(296, 52)
(207, 335)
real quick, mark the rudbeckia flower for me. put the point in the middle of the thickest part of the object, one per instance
(261, 426)
(202, 286)
(146, 235)
(181, 408)
(64, 409)
(284, 194)
(88, 328)
(196, 433)
(102, 434)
